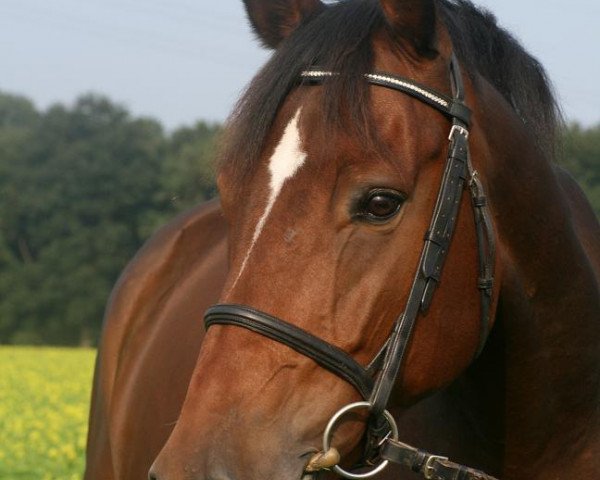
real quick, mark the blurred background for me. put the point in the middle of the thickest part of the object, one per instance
(108, 115)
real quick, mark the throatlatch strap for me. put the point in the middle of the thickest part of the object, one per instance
(486, 252)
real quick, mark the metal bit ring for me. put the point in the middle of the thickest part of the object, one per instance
(328, 433)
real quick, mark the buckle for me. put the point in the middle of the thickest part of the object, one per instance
(458, 129)
(428, 470)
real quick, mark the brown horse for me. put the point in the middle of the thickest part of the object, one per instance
(326, 194)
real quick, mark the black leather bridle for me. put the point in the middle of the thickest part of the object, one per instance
(375, 382)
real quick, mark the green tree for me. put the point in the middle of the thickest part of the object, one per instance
(188, 171)
(581, 157)
(79, 194)
(16, 112)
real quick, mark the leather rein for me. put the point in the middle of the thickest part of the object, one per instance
(375, 382)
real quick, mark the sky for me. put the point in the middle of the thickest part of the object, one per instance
(184, 60)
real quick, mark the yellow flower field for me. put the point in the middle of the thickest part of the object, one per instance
(44, 402)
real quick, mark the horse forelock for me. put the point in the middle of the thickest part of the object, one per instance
(341, 39)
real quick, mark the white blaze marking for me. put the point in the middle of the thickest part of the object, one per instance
(287, 158)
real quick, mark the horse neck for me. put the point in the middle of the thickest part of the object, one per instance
(549, 313)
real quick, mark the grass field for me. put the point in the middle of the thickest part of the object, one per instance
(44, 401)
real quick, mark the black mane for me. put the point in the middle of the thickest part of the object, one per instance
(339, 39)
(486, 48)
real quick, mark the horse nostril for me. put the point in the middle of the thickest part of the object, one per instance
(152, 475)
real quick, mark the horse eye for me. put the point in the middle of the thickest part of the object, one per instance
(380, 205)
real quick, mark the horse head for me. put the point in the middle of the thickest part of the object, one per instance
(329, 180)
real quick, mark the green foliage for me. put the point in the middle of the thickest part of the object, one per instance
(82, 187)
(188, 168)
(581, 157)
(16, 112)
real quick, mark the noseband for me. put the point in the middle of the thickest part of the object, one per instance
(375, 382)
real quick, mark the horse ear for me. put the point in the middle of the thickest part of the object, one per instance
(413, 21)
(275, 20)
